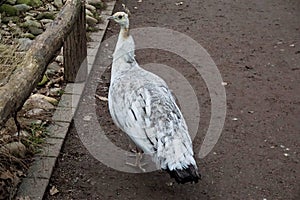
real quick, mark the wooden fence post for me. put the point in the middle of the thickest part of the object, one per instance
(75, 50)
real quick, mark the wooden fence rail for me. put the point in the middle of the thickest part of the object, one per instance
(68, 27)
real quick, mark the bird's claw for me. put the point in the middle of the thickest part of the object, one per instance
(137, 163)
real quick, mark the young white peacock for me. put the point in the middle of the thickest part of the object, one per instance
(142, 106)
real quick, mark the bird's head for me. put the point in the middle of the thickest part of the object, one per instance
(121, 18)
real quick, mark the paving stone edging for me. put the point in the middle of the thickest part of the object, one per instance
(34, 185)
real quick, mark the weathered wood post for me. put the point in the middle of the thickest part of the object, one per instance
(75, 50)
(27, 75)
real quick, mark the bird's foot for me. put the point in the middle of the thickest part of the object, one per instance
(137, 163)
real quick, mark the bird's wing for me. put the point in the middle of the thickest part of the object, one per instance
(147, 112)
(131, 104)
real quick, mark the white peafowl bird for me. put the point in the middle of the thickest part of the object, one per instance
(142, 106)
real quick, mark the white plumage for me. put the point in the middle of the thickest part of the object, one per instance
(142, 106)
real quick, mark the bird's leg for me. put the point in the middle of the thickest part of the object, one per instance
(138, 158)
(17, 123)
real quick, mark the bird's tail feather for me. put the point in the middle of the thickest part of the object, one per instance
(189, 174)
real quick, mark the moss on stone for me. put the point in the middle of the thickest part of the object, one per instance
(33, 3)
(9, 10)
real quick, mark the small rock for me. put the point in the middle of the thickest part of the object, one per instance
(90, 7)
(91, 21)
(35, 31)
(55, 92)
(286, 154)
(35, 112)
(13, 19)
(46, 21)
(22, 7)
(39, 101)
(46, 15)
(97, 3)
(224, 83)
(52, 69)
(28, 35)
(9, 10)
(25, 44)
(234, 119)
(29, 17)
(33, 3)
(59, 59)
(11, 2)
(58, 3)
(31, 23)
(54, 66)
(49, 99)
(89, 13)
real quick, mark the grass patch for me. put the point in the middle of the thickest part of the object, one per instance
(37, 135)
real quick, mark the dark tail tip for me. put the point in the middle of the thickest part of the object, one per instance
(189, 174)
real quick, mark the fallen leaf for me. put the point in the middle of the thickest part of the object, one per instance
(53, 190)
(179, 3)
(87, 118)
(101, 98)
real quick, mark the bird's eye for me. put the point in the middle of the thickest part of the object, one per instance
(120, 16)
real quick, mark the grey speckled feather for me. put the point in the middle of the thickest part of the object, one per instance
(142, 106)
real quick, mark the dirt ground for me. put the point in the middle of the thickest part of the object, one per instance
(256, 46)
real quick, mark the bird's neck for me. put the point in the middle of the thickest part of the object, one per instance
(123, 57)
(124, 32)
(124, 44)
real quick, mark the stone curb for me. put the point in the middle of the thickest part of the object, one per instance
(34, 185)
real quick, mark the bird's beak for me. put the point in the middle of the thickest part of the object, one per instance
(110, 18)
